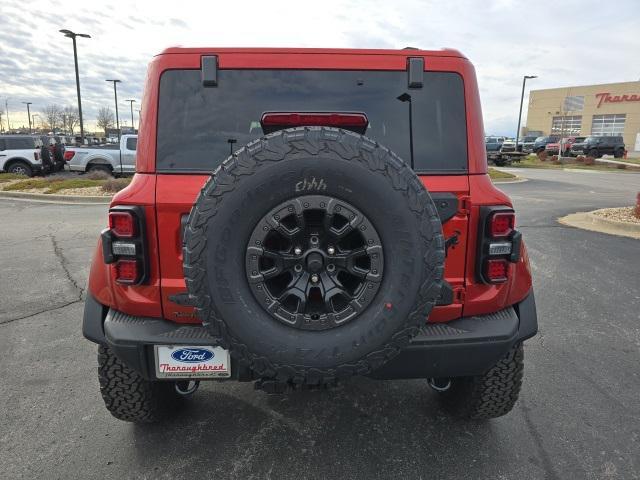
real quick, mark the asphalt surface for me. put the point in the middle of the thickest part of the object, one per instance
(578, 414)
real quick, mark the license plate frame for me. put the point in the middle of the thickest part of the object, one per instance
(182, 362)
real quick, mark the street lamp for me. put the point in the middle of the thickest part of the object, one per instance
(29, 115)
(115, 94)
(72, 36)
(405, 97)
(524, 80)
(133, 126)
(6, 107)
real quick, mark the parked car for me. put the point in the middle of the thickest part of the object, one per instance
(526, 144)
(309, 253)
(541, 142)
(492, 146)
(553, 148)
(20, 154)
(118, 160)
(508, 146)
(48, 154)
(597, 146)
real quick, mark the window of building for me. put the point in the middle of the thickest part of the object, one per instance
(608, 124)
(567, 125)
(574, 103)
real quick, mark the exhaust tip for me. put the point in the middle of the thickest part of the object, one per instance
(440, 384)
(187, 387)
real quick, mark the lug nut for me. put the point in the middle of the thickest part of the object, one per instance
(314, 278)
(331, 250)
(297, 251)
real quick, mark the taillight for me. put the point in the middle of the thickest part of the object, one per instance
(68, 155)
(122, 224)
(126, 271)
(501, 224)
(124, 247)
(273, 121)
(498, 244)
(496, 270)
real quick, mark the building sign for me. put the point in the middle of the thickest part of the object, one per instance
(608, 98)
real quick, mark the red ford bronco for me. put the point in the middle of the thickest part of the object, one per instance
(301, 216)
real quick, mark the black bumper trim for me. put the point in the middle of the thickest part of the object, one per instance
(463, 347)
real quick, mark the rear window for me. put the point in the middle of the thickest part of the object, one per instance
(198, 127)
(132, 143)
(19, 143)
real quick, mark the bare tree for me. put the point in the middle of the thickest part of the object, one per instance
(52, 115)
(70, 118)
(105, 119)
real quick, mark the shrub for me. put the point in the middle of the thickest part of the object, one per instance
(636, 211)
(589, 161)
(543, 156)
(98, 175)
(580, 159)
(115, 184)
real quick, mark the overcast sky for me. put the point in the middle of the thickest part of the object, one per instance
(563, 42)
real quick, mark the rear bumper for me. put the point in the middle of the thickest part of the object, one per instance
(463, 347)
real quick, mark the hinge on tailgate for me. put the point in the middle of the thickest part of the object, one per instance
(459, 294)
(464, 205)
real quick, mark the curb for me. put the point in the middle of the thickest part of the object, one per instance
(66, 199)
(629, 227)
(594, 223)
(518, 179)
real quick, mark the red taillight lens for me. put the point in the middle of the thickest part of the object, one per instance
(501, 224)
(272, 121)
(496, 270)
(68, 155)
(122, 224)
(126, 271)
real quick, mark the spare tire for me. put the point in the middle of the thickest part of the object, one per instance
(314, 254)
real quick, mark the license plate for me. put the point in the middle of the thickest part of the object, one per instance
(191, 362)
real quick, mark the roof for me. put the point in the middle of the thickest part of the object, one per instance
(407, 52)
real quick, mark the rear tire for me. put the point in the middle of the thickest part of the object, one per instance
(618, 153)
(490, 395)
(98, 167)
(20, 168)
(130, 397)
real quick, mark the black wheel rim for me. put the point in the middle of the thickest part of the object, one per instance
(314, 262)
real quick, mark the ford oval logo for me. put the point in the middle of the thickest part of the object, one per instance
(192, 355)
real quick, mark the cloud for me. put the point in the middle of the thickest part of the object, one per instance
(564, 43)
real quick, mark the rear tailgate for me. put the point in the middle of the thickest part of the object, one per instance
(175, 195)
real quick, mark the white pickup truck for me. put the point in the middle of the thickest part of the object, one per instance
(105, 158)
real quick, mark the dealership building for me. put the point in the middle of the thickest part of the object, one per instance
(607, 109)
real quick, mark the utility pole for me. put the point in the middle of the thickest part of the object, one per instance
(524, 81)
(29, 115)
(133, 125)
(115, 94)
(72, 36)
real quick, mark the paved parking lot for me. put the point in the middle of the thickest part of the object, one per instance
(578, 417)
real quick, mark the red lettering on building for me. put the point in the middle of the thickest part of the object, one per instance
(606, 97)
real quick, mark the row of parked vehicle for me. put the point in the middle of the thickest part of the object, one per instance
(593, 146)
(31, 155)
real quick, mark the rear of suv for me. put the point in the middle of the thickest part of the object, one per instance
(597, 146)
(20, 154)
(302, 216)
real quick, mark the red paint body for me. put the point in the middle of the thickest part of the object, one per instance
(167, 197)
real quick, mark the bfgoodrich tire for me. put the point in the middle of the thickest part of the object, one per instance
(130, 397)
(315, 181)
(490, 395)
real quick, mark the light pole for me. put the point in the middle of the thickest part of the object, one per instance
(29, 115)
(115, 94)
(405, 97)
(72, 36)
(524, 80)
(6, 107)
(133, 126)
